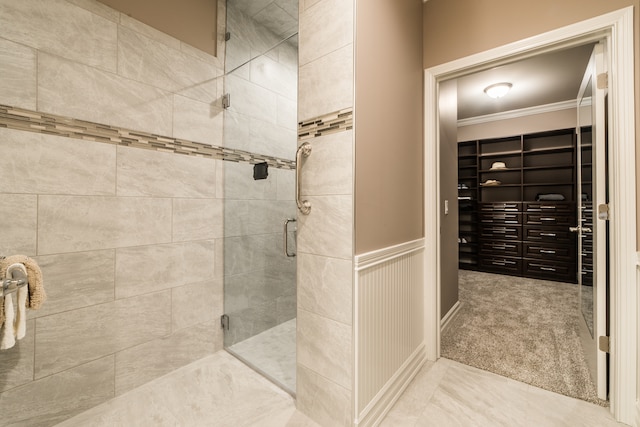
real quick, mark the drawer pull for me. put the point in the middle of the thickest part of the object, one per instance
(548, 207)
(548, 234)
(503, 262)
(544, 251)
(499, 217)
(542, 267)
(503, 246)
(547, 219)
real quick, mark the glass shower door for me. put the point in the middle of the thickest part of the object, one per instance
(260, 126)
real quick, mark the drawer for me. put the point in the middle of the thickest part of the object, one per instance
(545, 234)
(501, 232)
(549, 252)
(549, 219)
(500, 207)
(501, 265)
(543, 269)
(501, 248)
(550, 207)
(500, 218)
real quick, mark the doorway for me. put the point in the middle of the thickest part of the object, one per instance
(617, 30)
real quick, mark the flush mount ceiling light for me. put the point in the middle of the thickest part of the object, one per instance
(498, 90)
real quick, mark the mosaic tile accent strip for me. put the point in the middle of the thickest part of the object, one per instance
(337, 121)
(33, 121)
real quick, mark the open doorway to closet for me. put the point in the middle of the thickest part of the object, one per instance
(524, 180)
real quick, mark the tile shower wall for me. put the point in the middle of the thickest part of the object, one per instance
(129, 240)
(262, 70)
(325, 236)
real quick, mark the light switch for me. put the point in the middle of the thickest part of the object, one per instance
(446, 207)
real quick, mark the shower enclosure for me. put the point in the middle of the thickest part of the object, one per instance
(261, 68)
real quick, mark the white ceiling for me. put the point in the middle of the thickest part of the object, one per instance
(539, 80)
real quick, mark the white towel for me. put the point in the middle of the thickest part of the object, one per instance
(8, 336)
(15, 326)
(20, 327)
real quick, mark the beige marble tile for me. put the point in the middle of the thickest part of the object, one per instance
(65, 165)
(69, 339)
(218, 389)
(324, 28)
(287, 113)
(76, 280)
(197, 121)
(326, 84)
(16, 368)
(76, 223)
(196, 219)
(240, 185)
(277, 20)
(329, 168)
(149, 61)
(94, 6)
(324, 346)
(130, 23)
(21, 211)
(53, 26)
(195, 304)
(257, 216)
(157, 174)
(251, 99)
(275, 76)
(328, 229)
(70, 89)
(216, 61)
(305, 4)
(140, 364)
(236, 130)
(271, 139)
(209, 92)
(18, 71)
(50, 400)
(325, 286)
(286, 184)
(143, 269)
(323, 401)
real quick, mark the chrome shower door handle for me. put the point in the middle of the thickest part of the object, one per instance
(304, 206)
(284, 237)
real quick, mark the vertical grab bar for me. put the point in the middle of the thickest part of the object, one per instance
(284, 237)
(304, 206)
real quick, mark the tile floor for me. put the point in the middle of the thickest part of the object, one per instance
(221, 391)
(273, 352)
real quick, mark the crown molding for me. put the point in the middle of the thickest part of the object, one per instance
(523, 112)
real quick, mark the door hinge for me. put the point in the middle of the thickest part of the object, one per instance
(603, 80)
(224, 322)
(227, 36)
(603, 344)
(226, 101)
(603, 212)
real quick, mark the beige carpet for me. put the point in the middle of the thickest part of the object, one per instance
(525, 329)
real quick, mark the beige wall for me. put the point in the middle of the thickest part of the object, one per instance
(190, 21)
(458, 28)
(388, 118)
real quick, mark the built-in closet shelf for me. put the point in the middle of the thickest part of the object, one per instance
(548, 150)
(507, 230)
(501, 154)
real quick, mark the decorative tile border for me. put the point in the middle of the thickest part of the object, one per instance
(337, 121)
(33, 121)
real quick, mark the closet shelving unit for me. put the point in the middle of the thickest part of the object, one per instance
(511, 231)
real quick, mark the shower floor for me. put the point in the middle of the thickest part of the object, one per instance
(272, 353)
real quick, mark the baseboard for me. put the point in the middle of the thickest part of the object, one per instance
(392, 391)
(451, 314)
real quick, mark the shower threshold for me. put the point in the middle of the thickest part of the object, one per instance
(272, 354)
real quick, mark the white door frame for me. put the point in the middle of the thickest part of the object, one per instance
(617, 28)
